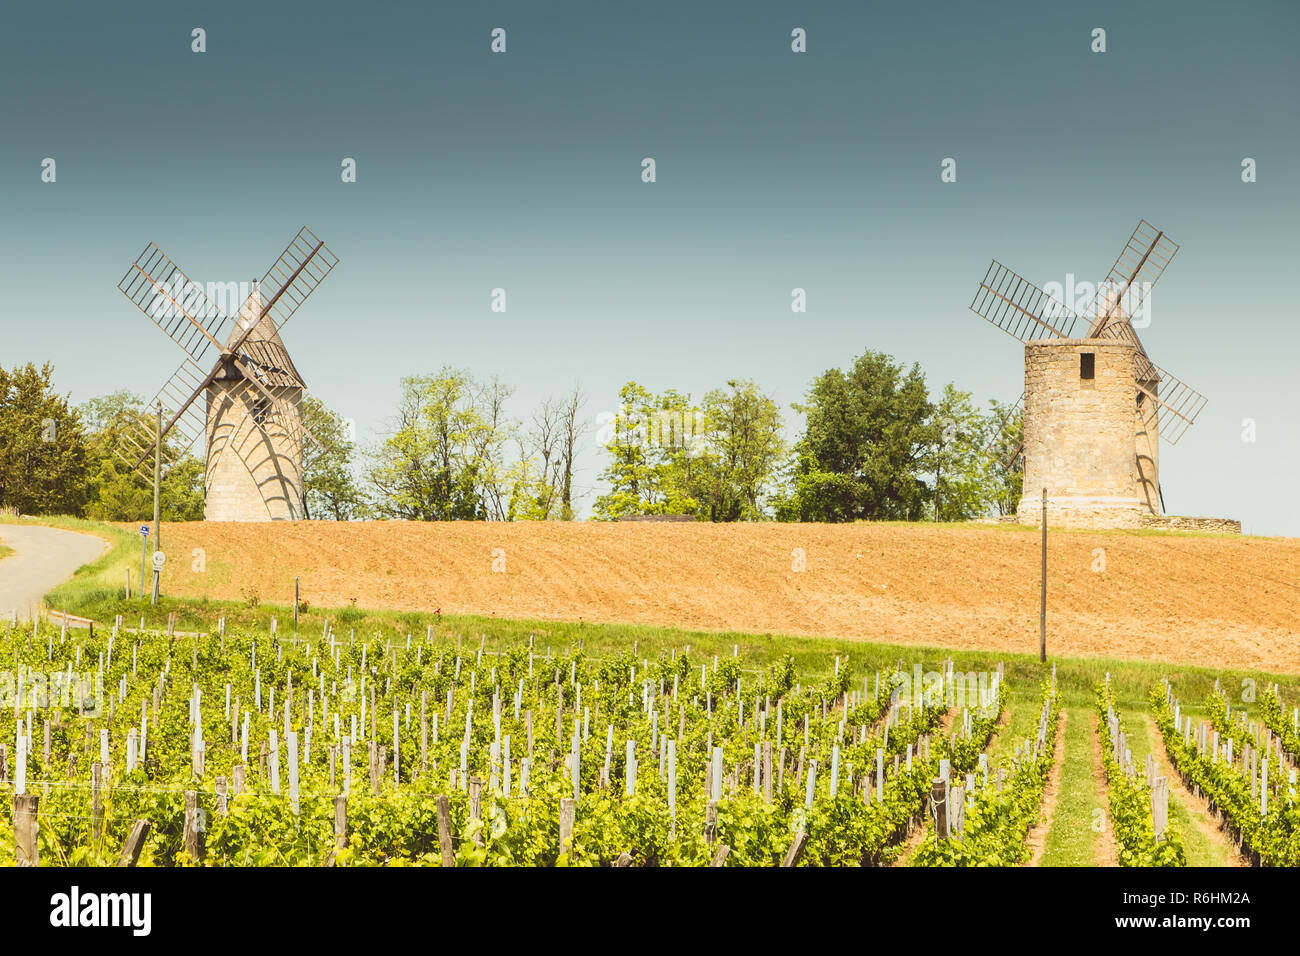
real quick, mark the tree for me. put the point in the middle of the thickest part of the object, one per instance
(329, 489)
(743, 448)
(1006, 423)
(958, 458)
(488, 441)
(541, 477)
(119, 493)
(717, 461)
(867, 432)
(43, 447)
(536, 474)
(652, 442)
(572, 430)
(442, 461)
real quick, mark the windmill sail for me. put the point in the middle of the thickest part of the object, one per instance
(174, 303)
(1020, 308)
(303, 265)
(1136, 269)
(1182, 403)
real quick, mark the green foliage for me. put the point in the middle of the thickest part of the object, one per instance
(997, 821)
(876, 447)
(1274, 717)
(442, 461)
(717, 460)
(119, 493)
(1130, 802)
(957, 458)
(654, 444)
(742, 450)
(43, 447)
(1273, 837)
(329, 488)
(862, 453)
(398, 826)
(1006, 469)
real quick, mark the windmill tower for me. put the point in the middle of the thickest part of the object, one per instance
(1095, 405)
(254, 442)
(253, 420)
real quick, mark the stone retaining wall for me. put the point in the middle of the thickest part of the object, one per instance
(1181, 523)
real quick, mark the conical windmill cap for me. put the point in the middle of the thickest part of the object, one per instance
(263, 349)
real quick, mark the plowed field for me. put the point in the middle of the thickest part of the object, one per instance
(1215, 601)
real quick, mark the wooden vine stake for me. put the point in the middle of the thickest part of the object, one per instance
(476, 806)
(567, 811)
(192, 847)
(939, 800)
(444, 831)
(340, 821)
(1160, 806)
(796, 849)
(96, 801)
(26, 829)
(134, 843)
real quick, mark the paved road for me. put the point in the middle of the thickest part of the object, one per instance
(43, 558)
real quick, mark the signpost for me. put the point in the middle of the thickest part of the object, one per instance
(159, 559)
(144, 553)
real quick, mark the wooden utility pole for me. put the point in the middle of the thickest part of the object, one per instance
(157, 486)
(1042, 604)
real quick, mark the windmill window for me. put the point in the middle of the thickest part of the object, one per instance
(261, 410)
(1087, 365)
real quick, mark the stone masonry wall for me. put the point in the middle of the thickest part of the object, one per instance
(1180, 523)
(1079, 435)
(254, 473)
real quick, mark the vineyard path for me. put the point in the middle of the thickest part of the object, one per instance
(1107, 853)
(916, 836)
(1198, 810)
(1037, 838)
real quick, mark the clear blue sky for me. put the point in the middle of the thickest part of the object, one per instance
(775, 170)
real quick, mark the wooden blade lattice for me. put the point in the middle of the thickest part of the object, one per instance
(135, 444)
(303, 265)
(1019, 308)
(1126, 286)
(1182, 403)
(1014, 416)
(175, 304)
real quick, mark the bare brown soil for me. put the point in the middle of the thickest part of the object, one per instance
(1213, 601)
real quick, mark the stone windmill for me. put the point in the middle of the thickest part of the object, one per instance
(253, 417)
(1095, 406)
